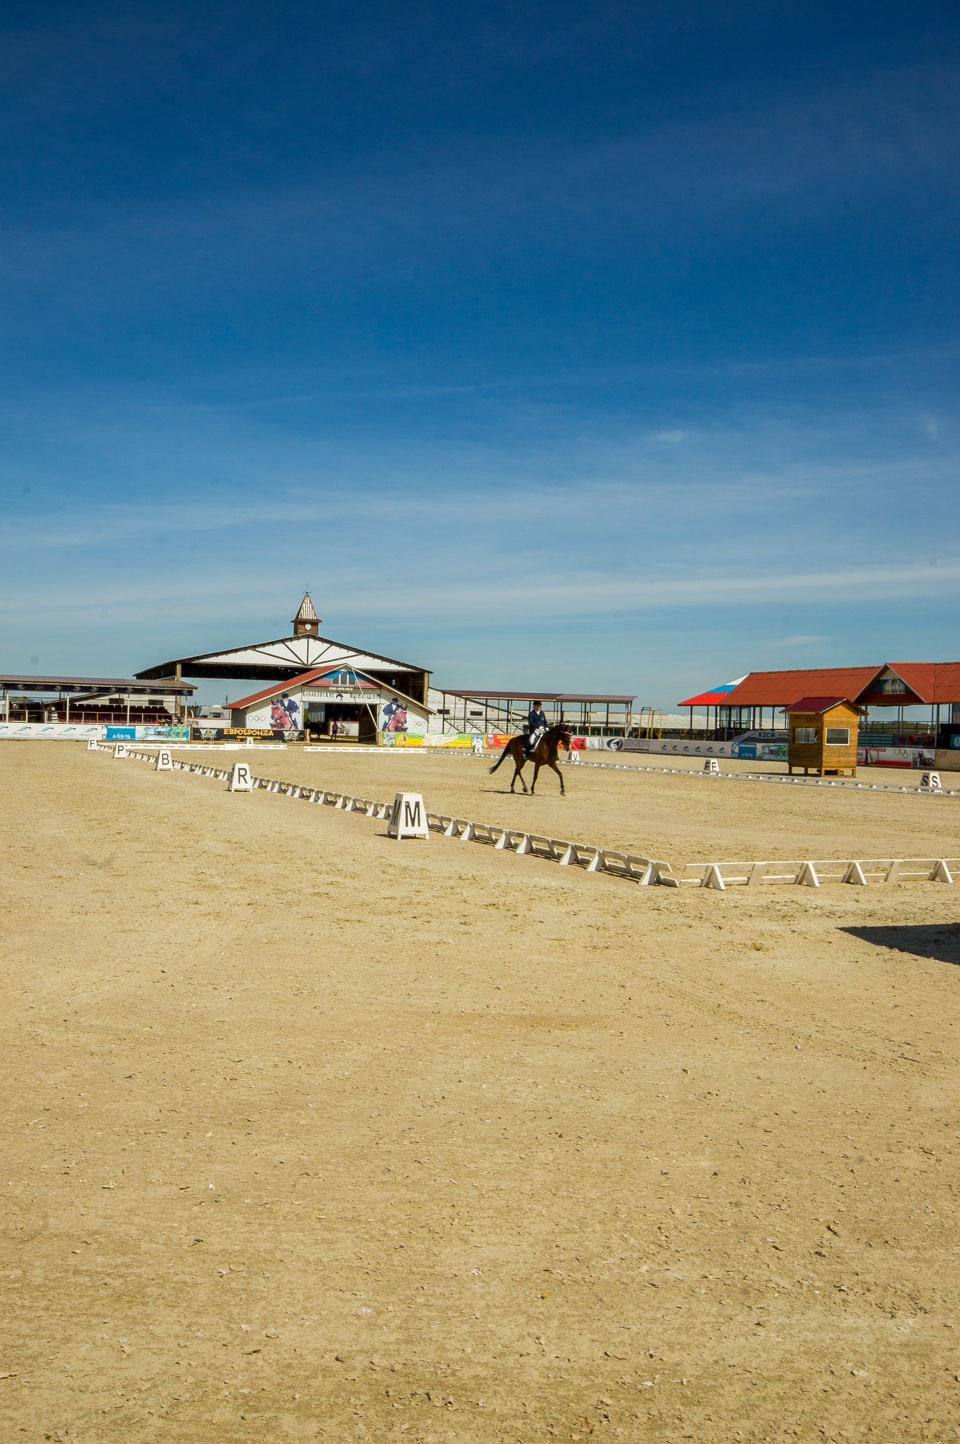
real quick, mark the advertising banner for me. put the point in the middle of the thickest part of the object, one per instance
(55, 731)
(765, 751)
(240, 734)
(434, 739)
(397, 720)
(675, 746)
(145, 732)
(895, 757)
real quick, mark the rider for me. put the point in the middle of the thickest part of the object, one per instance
(536, 726)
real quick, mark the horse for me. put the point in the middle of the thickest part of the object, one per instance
(544, 755)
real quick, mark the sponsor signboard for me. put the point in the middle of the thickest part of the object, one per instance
(895, 757)
(765, 751)
(56, 731)
(144, 732)
(433, 739)
(234, 734)
(336, 695)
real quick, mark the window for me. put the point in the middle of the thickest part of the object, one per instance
(838, 736)
(805, 734)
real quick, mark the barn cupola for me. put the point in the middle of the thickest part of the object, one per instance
(306, 623)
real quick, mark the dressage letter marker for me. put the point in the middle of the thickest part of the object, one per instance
(711, 767)
(164, 760)
(120, 750)
(409, 816)
(91, 744)
(930, 782)
(240, 779)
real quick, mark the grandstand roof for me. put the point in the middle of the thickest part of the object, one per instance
(713, 696)
(499, 695)
(780, 689)
(932, 681)
(96, 686)
(925, 682)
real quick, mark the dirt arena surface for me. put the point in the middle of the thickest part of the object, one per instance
(680, 817)
(311, 1135)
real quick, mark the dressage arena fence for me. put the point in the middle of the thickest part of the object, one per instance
(781, 779)
(647, 872)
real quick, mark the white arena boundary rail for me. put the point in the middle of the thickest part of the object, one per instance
(648, 872)
(779, 778)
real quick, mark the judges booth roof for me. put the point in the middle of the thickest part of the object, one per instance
(819, 705)
(498, 695)
(96, 686)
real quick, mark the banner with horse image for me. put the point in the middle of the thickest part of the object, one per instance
(397, 721)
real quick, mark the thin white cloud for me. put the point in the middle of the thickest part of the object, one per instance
(539, 595)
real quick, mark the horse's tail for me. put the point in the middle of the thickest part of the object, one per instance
(500, 758)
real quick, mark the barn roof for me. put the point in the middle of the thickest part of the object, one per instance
(279, 660)
(313, 678)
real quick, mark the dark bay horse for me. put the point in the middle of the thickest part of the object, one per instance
(544, 755)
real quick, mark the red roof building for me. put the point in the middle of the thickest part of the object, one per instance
(894, 684)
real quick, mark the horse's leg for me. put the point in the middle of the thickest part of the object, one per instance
(518, 763)
(556, 769)
(536, 771)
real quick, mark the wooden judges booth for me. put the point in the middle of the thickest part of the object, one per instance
(822, 735)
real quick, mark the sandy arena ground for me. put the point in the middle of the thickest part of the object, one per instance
(311, 1135)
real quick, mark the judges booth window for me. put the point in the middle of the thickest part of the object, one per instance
(838, 736)
(807, 734)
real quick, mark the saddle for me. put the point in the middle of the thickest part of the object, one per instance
(531, 740)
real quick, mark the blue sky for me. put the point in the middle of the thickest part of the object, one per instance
(602, 347)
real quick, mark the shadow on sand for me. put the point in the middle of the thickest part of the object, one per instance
(926, 940)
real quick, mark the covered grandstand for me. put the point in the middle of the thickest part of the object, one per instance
(479, 709)
(127, 700)
(755, 702)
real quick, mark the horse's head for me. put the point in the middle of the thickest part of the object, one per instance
(561, 734)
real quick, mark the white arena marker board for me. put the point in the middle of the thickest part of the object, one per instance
(409, 816)
(240, 778)
(92, 744)
(930, 782)
(712, 767)
(164, 760)
(476, 746)
(121, 750)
